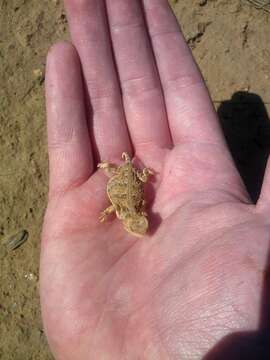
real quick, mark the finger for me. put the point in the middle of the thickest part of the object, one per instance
(69, 146)
(140, 83)
(190, 111)
(90, 35)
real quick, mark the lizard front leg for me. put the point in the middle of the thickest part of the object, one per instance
(144, 175)
(109, 169)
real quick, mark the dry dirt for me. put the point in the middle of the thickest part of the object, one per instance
(230, 40)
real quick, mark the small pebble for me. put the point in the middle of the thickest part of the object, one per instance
(15, 241)
(30, 277)
(39, 75)
(202, 2)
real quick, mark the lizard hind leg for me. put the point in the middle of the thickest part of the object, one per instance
(105, 213)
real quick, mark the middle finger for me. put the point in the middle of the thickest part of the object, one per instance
(141, 89)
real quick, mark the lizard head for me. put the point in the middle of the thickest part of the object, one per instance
(136, 225)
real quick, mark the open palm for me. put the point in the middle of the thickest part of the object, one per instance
(197, 275)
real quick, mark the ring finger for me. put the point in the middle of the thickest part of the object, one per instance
(90, 35)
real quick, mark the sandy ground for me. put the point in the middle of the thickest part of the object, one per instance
(230, 40)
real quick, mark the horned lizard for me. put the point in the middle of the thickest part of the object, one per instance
(126, 194)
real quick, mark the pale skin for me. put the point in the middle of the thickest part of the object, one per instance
(198, 277)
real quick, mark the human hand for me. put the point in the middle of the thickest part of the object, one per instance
(175, 293)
